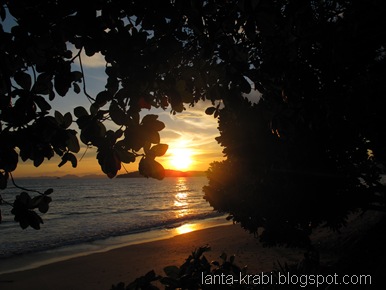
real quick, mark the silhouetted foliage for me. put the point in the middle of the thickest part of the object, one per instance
(305, 155)
(309, 152)
(199, 273)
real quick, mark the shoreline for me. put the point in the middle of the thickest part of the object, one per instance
(125, 264)
(34, 260)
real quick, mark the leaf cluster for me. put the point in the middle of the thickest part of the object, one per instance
(24, 205)
(189, 274)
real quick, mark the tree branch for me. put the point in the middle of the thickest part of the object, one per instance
(23, 188)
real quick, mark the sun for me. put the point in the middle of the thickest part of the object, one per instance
(181, 158)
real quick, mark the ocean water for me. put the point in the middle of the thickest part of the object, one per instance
(88, 211)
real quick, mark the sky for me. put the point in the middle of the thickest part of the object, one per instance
(190, 134)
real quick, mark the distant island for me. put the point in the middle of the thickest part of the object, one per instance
(168, 173)
(67, 176)
(134, 174)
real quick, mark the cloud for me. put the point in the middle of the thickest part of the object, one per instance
(95, 61)
(193, 130)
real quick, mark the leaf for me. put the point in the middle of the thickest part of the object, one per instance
(3, 180)
(153, 137)
(59, 117)
(159, 149)
(34, 220)
(150, 276)
(210, 110)
(51, 95)
(94, 109)
(80, 112)
(144, 167)
(125, 156)
(23, 222)
(8, 159)
(135, 138)
(43, 85)
(109, 161)
(76, 88)
(151, 168)
(102, 98)
(146, 147)
(35, 201)
(149, 118)
(24, 198)
(23, 79)
(44, 204)
(67, 120)
(42, 103)
(62, 84)
(172, 271)
(245, 86)
(38, 158)
(48, 191)
(2, 16)
(64, 160)
(72, 159)
(92, 131)
(72, 141)
(68, 157)
(43, 207)
(76, 76)
(178, 107)
(155, 125)
(84, 121)
(117, 114)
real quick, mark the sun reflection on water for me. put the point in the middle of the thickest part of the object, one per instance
(181, 202)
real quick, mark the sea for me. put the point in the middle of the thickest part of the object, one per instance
(94, 215)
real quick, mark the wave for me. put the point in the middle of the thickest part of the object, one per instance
(82, 212)
(55, 243)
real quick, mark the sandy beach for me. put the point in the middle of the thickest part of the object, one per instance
(101, 270)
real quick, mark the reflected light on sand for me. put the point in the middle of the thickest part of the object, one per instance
(187, 228)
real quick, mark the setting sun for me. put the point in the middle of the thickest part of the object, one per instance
(181, 158)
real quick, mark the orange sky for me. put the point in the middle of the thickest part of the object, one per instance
(192, 131)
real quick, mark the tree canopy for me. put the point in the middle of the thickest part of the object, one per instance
(309, 152)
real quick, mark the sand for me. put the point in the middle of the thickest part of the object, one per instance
(101, 270)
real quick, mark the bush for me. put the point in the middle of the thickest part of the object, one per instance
(198, 273)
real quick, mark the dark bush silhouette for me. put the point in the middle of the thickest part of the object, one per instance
(310, 151)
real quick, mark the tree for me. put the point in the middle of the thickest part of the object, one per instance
(307, 153)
